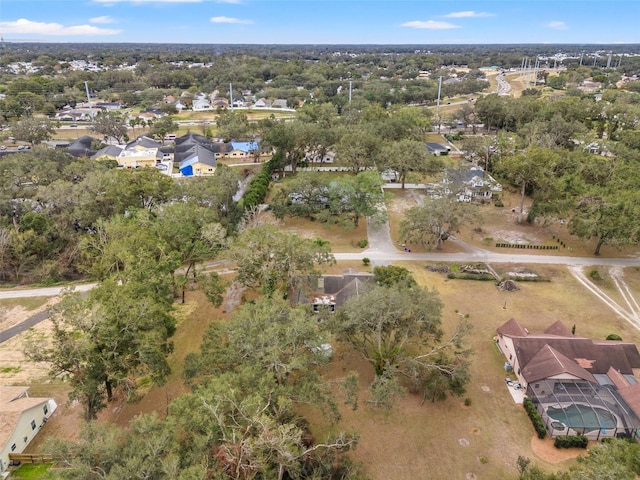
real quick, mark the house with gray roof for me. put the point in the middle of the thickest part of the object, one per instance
(331, 291)
(81, 147)
(469, 183)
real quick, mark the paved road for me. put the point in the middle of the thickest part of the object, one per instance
(42, 292)
(23, 326)
(484, 256)
(40, 316)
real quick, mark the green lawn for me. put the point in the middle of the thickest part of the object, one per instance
(32, 471)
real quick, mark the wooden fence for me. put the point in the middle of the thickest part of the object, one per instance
(30, 458)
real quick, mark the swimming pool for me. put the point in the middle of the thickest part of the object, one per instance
(583, 418)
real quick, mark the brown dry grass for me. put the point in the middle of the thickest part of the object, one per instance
(341, 239)
(445, 439)
(414, 438)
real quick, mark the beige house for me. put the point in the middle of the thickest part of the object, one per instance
(578, 385)
(21, 418)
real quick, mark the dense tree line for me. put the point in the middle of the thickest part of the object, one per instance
(53, 205)
(296, 73)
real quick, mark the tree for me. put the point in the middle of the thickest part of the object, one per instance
(213, 287)
(190, 231)
(389, 275)
(358, 149)
(344, 200)
(608, 216)
(269, 258)
(293, 139)
(269, 336)
(33, 130)
(362, 195)
(217, 193)
(110, 124)
(409, 156)
(106, 341)
(162, 127)
(491, 110)
(397, 330)
(610, 459)
(142, 188)
(233, 125)
(527, 169)
(434, 221)
(480, 150)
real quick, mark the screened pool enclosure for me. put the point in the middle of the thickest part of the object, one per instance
(578, 407)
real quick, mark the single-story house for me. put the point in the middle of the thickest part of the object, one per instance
(81, 147)
(110, 152)
(314, 157)
(198, 162)
(74, 115)
(243, 149)
(220, 103)
(262, 103)
(438, 149)
(142, 142)
(185, 143)
(579, 386)
(201, 104)
(390, 175)
(279, 103)
(21, 418)
(108, 106)
(331, 291)
(239, 102)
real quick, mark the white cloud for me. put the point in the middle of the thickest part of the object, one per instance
(24, 26)
(468, 14)
(102, 19)
(557, 25)
(430, 25)
(112, 2)
(230, 20)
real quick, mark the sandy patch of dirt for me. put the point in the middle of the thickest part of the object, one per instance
(14, 315)
(546, 451)
(15, 367)
(515, 236)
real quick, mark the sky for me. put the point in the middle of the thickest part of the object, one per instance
(322, 21)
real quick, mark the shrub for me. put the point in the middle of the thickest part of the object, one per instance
(363, 243)
(614, 336)
(467, 402)
(571, 441)
(536, 420)
(470, 276)
(366, 261)
(258, 187)
(595, 275)
(483, 459)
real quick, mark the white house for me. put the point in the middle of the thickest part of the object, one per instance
(200, 104)
(21, 418)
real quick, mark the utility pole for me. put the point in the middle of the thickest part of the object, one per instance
(86, 89)
(438, 104)
(231, 96)
(349, 92)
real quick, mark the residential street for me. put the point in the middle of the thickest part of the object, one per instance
(382, 251)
